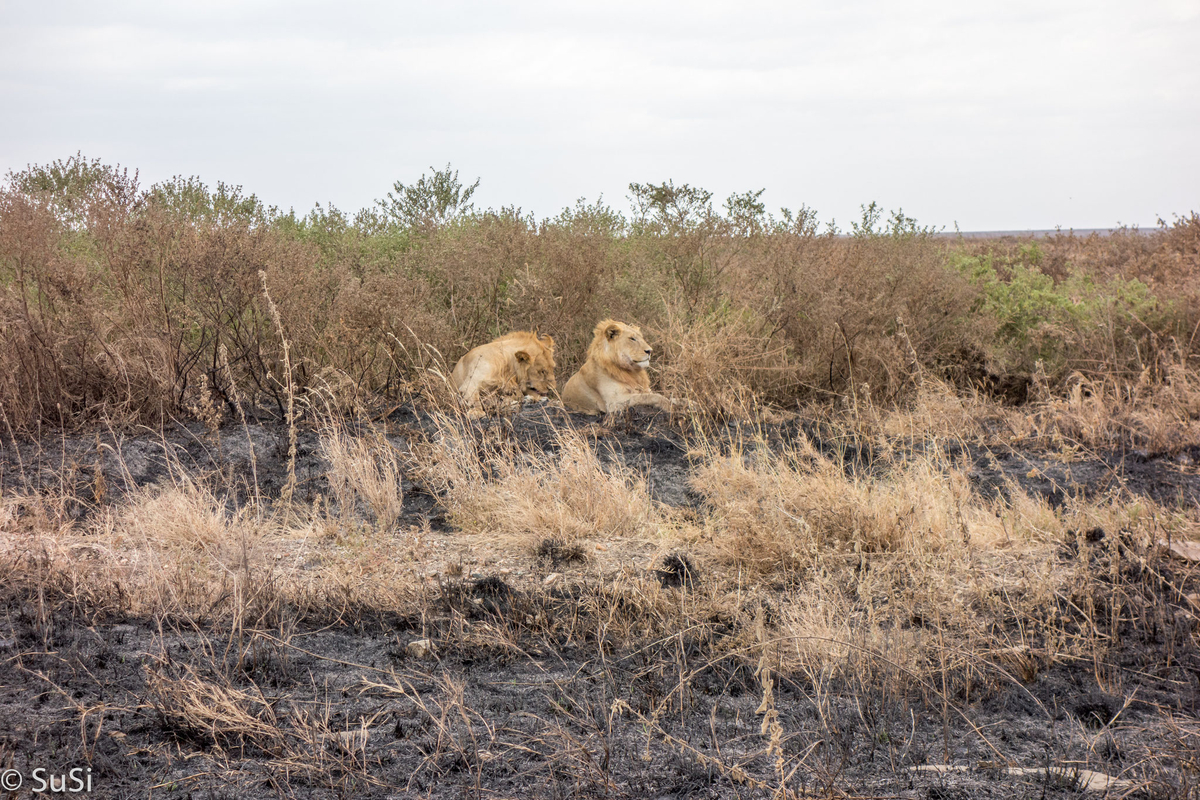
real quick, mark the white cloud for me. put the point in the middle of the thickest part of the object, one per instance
(995, 115)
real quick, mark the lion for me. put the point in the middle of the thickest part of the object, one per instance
(614, 376)
(519, 364)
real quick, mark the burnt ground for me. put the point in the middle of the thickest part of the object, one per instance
(361, 712)
(646, 441)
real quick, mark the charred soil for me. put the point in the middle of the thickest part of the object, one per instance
(556, 667)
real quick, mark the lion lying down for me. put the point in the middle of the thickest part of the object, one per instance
(614, 376)
(518, 364)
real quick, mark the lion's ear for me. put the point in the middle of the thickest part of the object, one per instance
(612, 331)
(547, 340)
(522, 356)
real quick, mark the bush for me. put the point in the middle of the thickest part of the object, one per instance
(134, 303)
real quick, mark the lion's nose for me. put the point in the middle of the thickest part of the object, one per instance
(648, 351)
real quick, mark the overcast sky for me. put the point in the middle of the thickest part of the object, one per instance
(997, 115)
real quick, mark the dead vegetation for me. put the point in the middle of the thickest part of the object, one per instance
(132, 305)
(832, 604)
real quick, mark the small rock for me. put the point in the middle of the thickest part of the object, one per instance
(601, 548)
(505, 571)
(420, 648)
(476, 576)
(551, 579)
(1188, 551)
(1084, 779)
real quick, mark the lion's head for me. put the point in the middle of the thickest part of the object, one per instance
(621, 345)
(534, 365)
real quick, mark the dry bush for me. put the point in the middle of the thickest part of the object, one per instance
(723, 362)
(794, 316)
(1166, 257)
(578, 272)
(853, 312)
(469, 270)
(1108, 307)
(67, 355)
(117, 306)
(117, 301)
(377, 329)
(503, 272)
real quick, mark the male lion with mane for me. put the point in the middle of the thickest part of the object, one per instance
(614, 376)
(520, 363)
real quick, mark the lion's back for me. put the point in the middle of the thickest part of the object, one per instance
(491, 365)
(488, 364)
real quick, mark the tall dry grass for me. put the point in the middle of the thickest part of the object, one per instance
(363, 468)
(899, 575)
(889, 586)
(494, 487)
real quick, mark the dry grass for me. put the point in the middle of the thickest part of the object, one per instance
(903, 557)
(492, 487)
(1157, 416)
(183, 551)
(887, 579)
(363, 468)
(220, 715)
(894, 585)
(895, 567)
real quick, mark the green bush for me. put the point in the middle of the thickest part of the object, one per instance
(1078, 323)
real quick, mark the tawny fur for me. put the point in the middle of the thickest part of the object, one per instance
(614, 376)
(518, 364)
